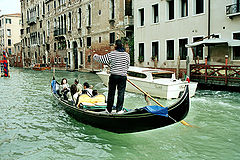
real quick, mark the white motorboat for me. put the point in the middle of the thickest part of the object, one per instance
(157, 82)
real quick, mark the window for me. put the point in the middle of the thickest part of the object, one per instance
(48, 28)
(49, 59)
(48, 7)
(81, 57)
(184, 8)
(9, 50)
(59, 60)
(65, 60)
(0, 23)
(112, 9)
(141, 16)
(89, 15)
(155, 50)
(55, 46)
(79, 18)
(48, 47)
(89, 43)
(128, 7)
(236, 50)
(198, 50)
(22, 19)
(69, 21)
(54, 4)
(9, 42)
(170, 9)
(8, 21)
(8, 32)
(199, 6)
(81, 42)
(99, 39)
(183, 49)
(112, 38)
(170, 49)
(28, 29)
(141, 52)
(136, 74)
(43, 8)
(36, 57)
(155, 13)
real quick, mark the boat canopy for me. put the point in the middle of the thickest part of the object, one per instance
(214, 41)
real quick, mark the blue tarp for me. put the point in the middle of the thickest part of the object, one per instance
(158, 110)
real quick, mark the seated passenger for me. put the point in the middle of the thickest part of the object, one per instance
(73, 94)
(53, 85)
(86, 89)
(64, 88)
(94, 93)
(79, 86)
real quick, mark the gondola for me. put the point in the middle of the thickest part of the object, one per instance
(134, 120)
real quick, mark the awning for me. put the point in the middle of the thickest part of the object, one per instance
(234, 43)
(211, 41)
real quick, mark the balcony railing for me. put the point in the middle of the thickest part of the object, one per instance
(59, 31)
(32, 20)
(233, 9)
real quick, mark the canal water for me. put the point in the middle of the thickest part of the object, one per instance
(34, 126)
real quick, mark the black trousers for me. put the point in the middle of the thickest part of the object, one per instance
(119, 82)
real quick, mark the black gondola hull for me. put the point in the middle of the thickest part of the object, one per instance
(133, 121)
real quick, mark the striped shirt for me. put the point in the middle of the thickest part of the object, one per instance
(118, 61)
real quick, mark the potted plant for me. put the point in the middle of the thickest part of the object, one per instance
(154, 58)
(141, 59)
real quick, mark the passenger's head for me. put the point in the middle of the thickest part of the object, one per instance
(76, 81)
(53, 78)
(73, 89)
(94, 92)
(85, 85)
(64, 81)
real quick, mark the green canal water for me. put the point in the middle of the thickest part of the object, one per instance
(34, 126)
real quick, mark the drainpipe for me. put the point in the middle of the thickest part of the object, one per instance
(209, 19)
(209, 25)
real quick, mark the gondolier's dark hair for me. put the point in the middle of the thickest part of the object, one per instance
(119, 47)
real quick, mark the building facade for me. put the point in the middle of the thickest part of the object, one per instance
(16, 59)
(66, 33)
(163, 28)
(10, 25)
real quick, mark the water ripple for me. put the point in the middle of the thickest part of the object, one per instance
(34, 126)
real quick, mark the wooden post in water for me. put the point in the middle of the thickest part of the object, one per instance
(178, 67)
(226, 63)
(188, 66)
(226, 60)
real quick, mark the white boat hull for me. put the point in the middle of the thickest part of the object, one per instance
(168, 91)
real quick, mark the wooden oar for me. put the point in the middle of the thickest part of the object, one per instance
(182, 121)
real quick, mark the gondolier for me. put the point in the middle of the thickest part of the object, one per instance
(119, 61)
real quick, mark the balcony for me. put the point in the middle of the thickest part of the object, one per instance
(59, 32)
(233, 10)
(128, 21)
(32, 20)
